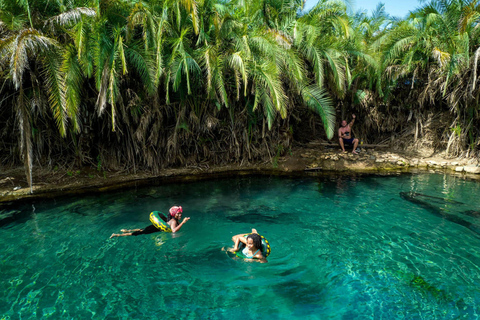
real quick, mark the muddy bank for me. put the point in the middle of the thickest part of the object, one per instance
(314, 157)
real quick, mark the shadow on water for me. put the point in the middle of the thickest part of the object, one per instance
(434, 205)
(10, 213)
(253, 218)
(341, 184)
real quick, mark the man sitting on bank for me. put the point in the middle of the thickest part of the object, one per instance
(345, 135)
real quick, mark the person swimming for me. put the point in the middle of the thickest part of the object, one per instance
(173, 220)
(253, 246)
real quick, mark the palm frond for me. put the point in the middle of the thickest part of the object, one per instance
(73, 74)
(317, 100)
(55, 84)
(72, 17)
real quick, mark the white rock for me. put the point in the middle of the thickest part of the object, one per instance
(472, 169)
(458, 169)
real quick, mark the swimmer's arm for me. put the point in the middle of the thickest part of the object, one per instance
(176, 227)
(240, 238)
(260, 258)
(243, 239)
(236, 240)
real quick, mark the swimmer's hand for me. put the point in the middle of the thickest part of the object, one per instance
(185, 219)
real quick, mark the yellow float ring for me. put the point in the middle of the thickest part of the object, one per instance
(265, 247)
(159, 220)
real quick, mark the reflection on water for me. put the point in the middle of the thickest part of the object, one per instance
(345, 248)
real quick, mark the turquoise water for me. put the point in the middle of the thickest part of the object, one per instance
(342, 248)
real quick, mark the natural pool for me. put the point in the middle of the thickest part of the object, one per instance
(342, 248)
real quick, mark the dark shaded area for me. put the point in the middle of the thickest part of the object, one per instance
(432, 198)
(282, 218)
(11, 212)
(472, 213)
(416, 198)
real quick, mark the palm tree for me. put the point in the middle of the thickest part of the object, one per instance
(33, 63)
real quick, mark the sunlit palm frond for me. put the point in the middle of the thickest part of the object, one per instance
(267, 76)
(442, 58)
(103, 90)
(142, 17)
(219, 82)
(317, 99)
(263, 46)
(314, 55)
(238, 64)
(18, 49)
(293, 68)
(113, 91)
(470, 16)
(337, 67)
(72, 71)
(162, 31)
(192, 9)
(72, 17)
(55, 85)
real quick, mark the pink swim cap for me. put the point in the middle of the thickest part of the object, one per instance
(174, 210)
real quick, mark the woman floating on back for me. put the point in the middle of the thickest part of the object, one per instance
(169, 224)
(250, 246)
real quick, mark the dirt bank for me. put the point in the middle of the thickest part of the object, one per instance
(314, 157)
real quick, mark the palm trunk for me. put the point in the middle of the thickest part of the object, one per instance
(25, 137)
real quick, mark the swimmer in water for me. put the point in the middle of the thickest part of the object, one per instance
(253, 246)
(173, 220)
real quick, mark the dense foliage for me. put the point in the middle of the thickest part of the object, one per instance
(148, 84)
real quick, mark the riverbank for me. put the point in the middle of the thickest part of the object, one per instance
(314, 157)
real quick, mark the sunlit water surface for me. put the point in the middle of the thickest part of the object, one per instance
(342, 248)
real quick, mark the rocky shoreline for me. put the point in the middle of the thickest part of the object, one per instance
(380, 161)
(311, 158)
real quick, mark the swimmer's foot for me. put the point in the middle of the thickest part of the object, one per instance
(113, 235)
(354, 152)
(254, 231)
(125, 230)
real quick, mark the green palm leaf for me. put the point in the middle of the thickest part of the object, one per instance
(317, 100)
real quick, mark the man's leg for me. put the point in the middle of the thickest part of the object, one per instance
(355, 144)
(340, 140)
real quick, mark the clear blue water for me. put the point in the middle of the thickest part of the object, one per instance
(342, 248)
